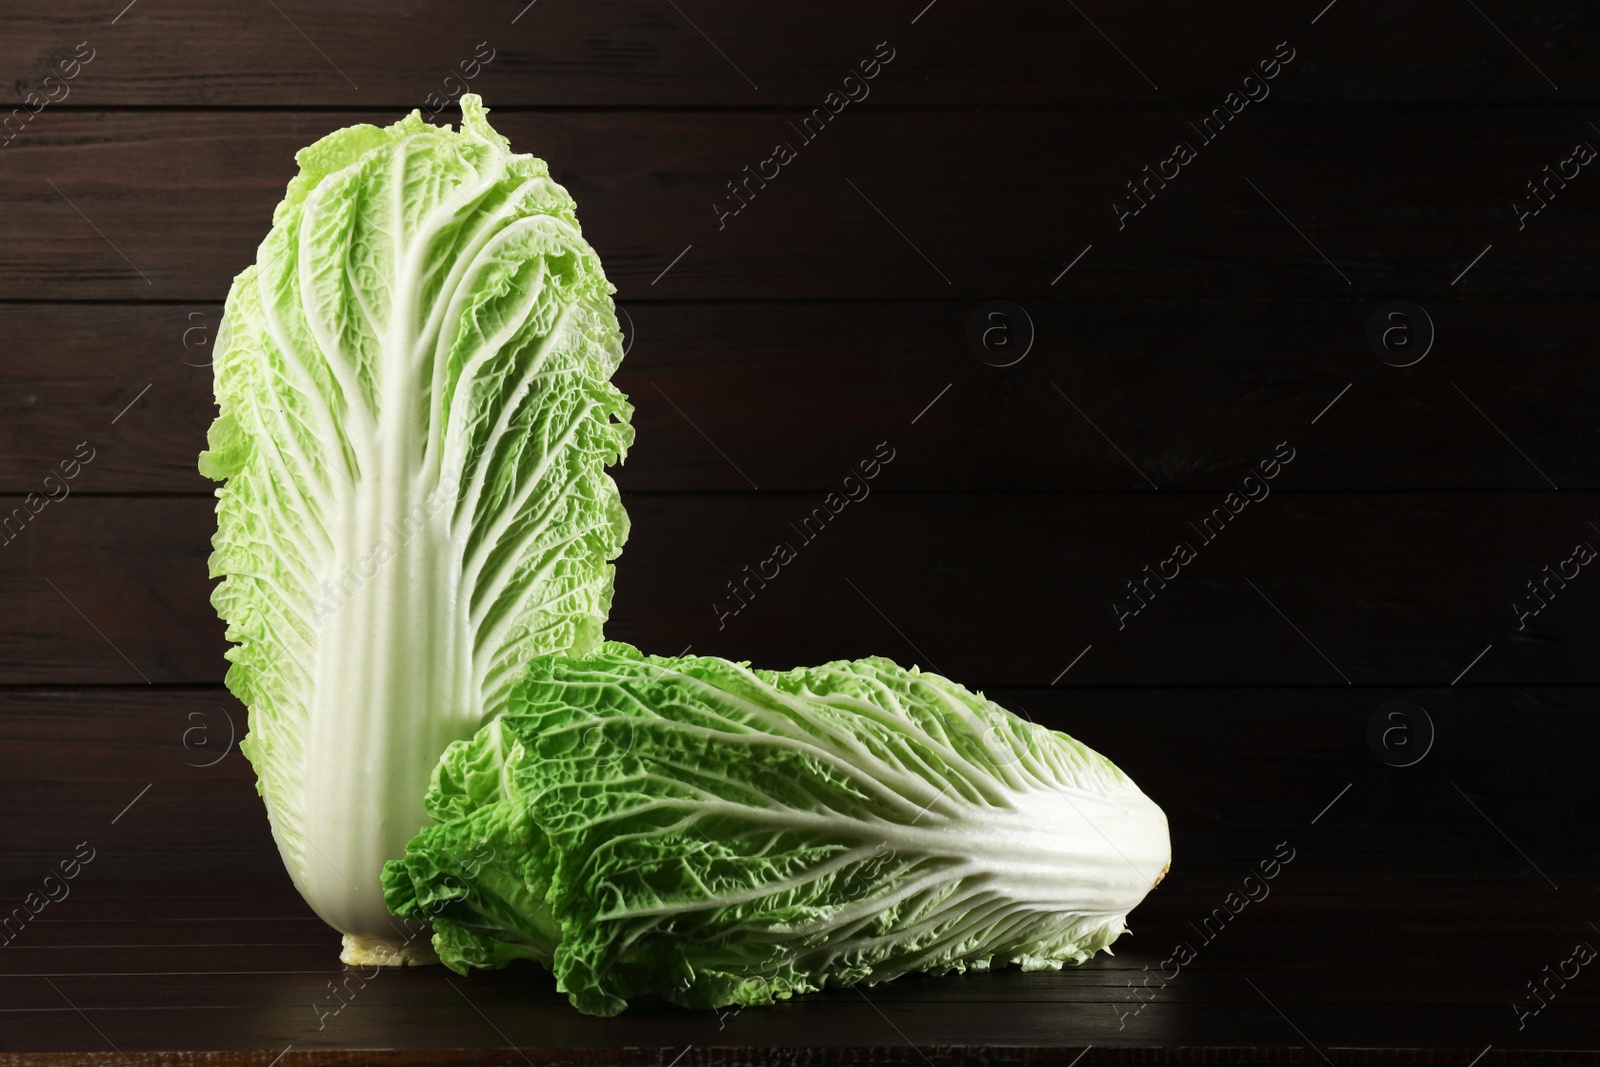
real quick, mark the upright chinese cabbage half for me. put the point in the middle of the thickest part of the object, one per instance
(415, 410)
(716, 835)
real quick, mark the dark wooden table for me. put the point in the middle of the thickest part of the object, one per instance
(1177, 334)
(1348, 970)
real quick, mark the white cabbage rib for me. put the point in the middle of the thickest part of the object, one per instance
(415, 412)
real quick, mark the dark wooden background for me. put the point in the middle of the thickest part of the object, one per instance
(769, 356)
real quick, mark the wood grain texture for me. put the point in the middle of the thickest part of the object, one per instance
(986, 204)
(777, 347)
(1263, 987)
(989, 589)
(627, 53)
(794, 394)
(1235, 769)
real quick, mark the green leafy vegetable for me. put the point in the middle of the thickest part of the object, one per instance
(719, 835)
(415, 410)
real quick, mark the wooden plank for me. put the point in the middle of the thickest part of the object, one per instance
(761, 379)
(979, 1055)
(843, 1032)
(224, 982)
(990, 589)
(1237, 770)
(984, 203)
(1223, 1018)
(1346, 959)
(627, 52)
(228, 974)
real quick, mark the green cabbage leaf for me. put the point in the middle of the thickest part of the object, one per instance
(715, 835)
(415, 409)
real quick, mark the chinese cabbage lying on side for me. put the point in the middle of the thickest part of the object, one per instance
(716, 835)
(415, 410)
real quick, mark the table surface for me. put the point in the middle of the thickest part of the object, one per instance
(1319, 968)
